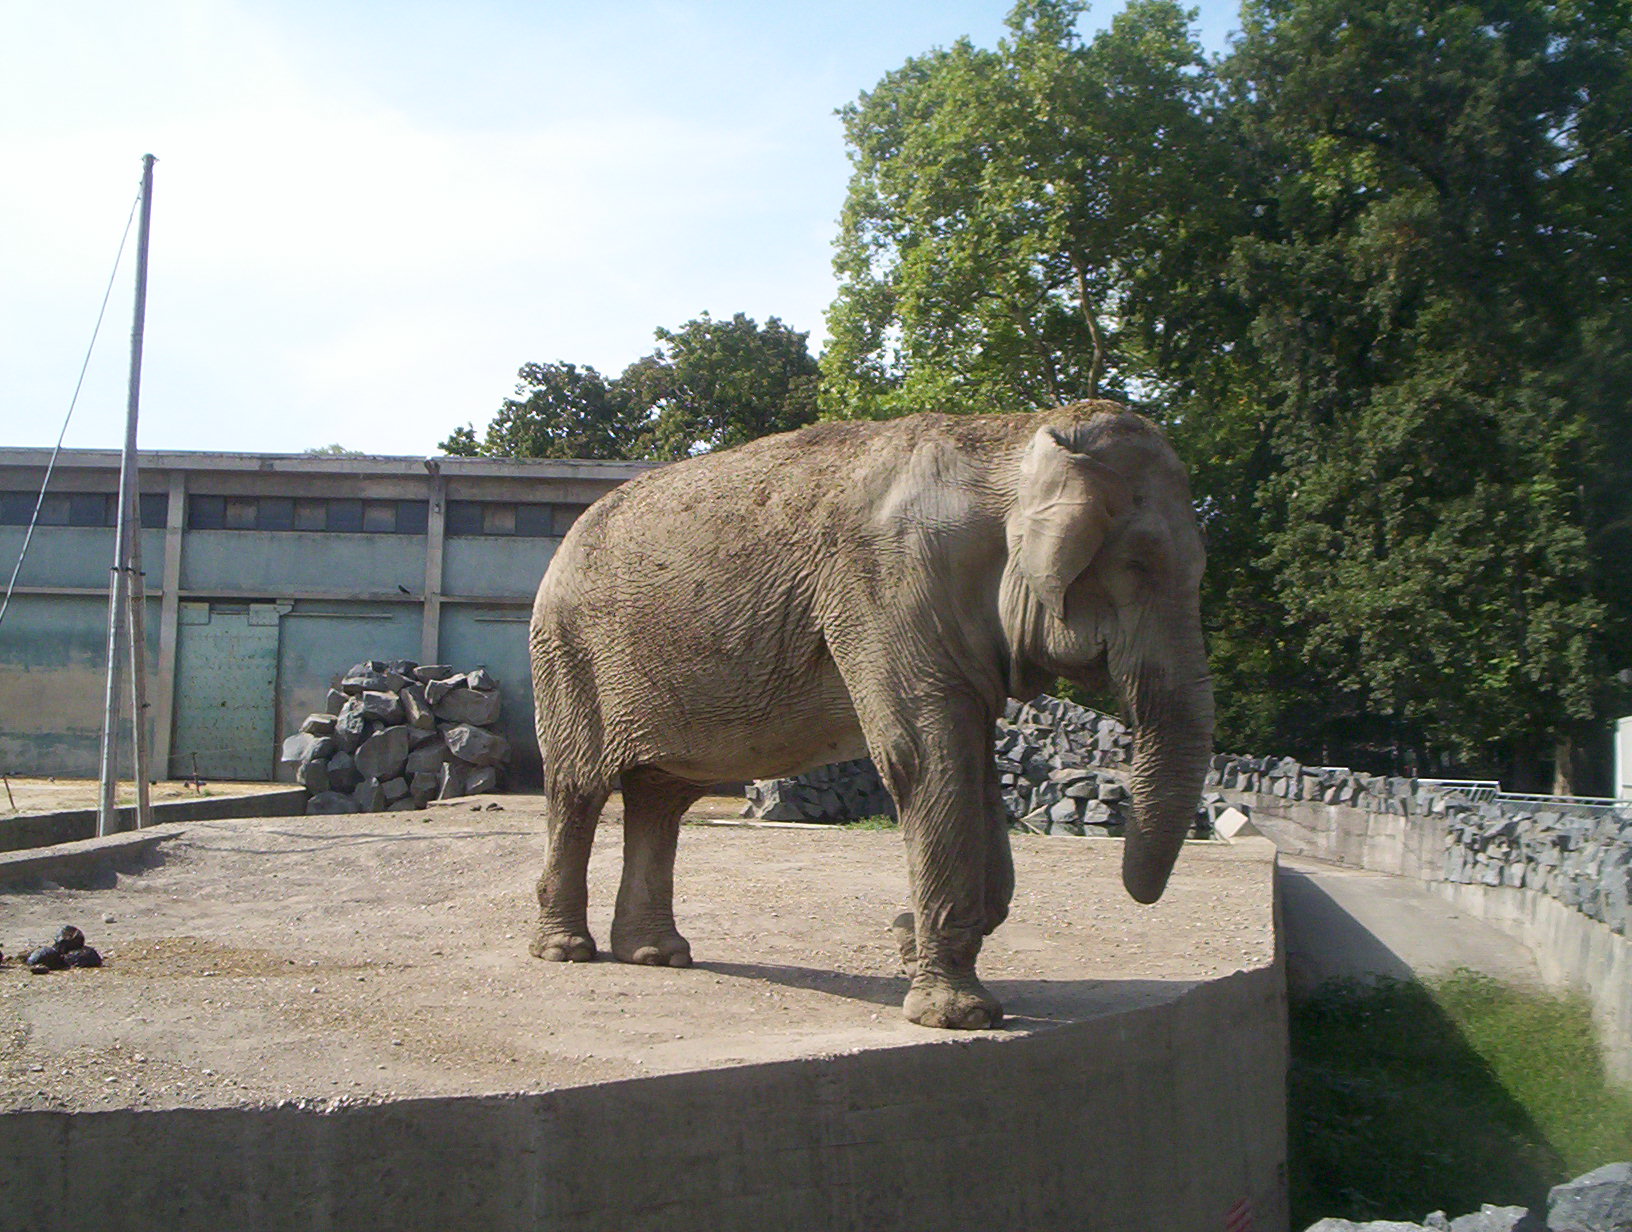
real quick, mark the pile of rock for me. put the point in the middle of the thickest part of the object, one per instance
(1580, 854)
(1062, 768)
(1284, 777)
(845, 791)
(1600, 1201)
(396, 735)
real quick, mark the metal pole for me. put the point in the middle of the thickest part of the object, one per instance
(138, 660)
(107, 817)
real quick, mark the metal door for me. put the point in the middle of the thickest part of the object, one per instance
(226, 691)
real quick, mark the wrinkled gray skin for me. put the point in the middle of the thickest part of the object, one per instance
(868, 588)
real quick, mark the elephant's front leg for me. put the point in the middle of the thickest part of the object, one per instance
(960, 879)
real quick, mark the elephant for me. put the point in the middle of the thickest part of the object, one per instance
(869, 588)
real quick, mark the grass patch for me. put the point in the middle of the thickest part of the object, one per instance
(1406, 1098)
(876, 822)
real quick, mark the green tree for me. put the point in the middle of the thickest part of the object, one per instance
(713, 384)
(1009, 208)
(1413, 361)
(559, 411)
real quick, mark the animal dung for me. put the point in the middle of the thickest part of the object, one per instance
(68, 950)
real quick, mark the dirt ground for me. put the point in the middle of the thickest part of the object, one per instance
(33, 795)
(361, 958)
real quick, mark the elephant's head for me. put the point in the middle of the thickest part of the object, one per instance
(1102, 586)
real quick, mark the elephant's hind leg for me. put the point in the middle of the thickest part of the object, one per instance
(563, 889)
(643, 928)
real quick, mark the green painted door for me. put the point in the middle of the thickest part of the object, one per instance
(226, 691)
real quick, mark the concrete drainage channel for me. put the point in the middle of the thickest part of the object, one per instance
(403, 1063)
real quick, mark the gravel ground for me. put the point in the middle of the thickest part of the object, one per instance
(361, 958)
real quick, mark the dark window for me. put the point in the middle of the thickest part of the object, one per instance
(277, 513)
(242, 512)
(565, 516)
(346, 515)
(498, 519)
(534, 520)
(90, 508)
(54, 510)
(311, 515)
(206, 512)
(380, 517)
(412, 517)
(464, 518)
(153, 510)
(16, 508)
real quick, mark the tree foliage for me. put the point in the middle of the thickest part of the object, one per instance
(1373, 269)
(709, 385)
(1005, 207)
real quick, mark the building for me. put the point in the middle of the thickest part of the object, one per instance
(266, 576)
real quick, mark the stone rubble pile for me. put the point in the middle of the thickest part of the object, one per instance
(1579, 854)
(396, 735)
(1599, 1201)
(1062, 768)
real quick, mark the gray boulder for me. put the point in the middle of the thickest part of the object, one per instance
(423, 786)
(303, 746)
(369, 796)
(325, 802)
(394, 789)
(343, 774)
(335, 699)
(469, 706)
(416, 709)
(318, 725)
(382, 705)
(436, 690)
(452, 782)
(1490, 1218)
(427, 758)
(314, 775)
(383, 755)
(427, 672)
(1600, 1201)
(482, 779)
(482, 680)
(478, 747)
(351, 724)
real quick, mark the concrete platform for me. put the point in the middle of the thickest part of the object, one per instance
(334, 1023)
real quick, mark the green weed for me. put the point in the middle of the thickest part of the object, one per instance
(1406, 1098)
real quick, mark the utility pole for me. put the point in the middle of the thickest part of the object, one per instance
(124, 628)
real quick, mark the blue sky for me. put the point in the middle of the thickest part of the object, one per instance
(368, 215)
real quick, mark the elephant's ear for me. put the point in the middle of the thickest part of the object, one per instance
(1065, 506)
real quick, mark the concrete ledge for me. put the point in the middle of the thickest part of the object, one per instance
(1572, 951)
(84, 863)
(336, 1025)
(74, 825)
(1161, 1118)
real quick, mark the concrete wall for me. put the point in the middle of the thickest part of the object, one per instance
(1572, 950)
(345, 596)
(53, 683)
(1155, 1120)
(40, 830)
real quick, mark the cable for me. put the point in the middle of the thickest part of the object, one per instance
(72, 402)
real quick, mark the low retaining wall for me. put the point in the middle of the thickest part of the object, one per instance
(75, 825)
(1152, 1119)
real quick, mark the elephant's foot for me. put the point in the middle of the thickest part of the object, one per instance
(651, 948)
(906, 937)
(961, 1005)
(554, 945)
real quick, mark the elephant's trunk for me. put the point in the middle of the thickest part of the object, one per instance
(1172, 710)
